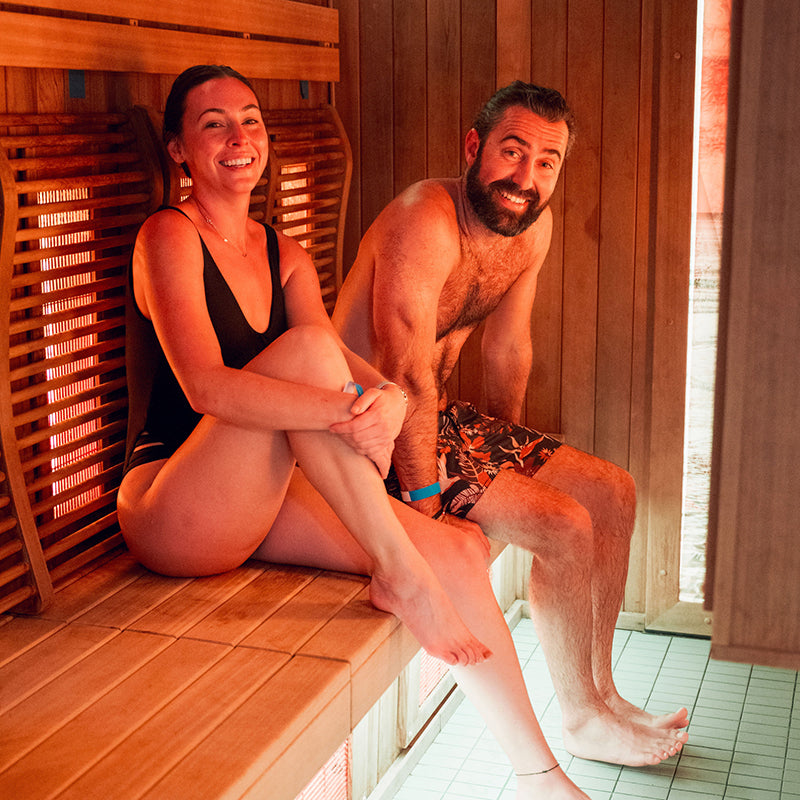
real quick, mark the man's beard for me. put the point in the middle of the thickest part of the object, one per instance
(494, 216)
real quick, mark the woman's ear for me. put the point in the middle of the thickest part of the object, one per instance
(175, 150)
(472, 144)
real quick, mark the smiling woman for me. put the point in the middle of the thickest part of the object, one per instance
(256, 386)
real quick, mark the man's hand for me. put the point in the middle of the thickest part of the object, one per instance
(377, 419)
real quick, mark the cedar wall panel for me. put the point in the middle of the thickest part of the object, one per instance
(609, 323)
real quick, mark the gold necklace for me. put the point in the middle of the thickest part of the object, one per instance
(204, 215)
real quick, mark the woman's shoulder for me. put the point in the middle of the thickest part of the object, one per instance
(164, 234)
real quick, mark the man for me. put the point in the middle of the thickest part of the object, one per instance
(441, 258)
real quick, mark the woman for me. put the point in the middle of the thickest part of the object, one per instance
(248, 380)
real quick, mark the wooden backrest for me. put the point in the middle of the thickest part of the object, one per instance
(75, 189)
(310, 168)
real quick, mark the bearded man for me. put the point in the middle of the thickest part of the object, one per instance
(441, 258)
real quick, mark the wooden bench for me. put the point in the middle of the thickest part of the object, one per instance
(115, 682)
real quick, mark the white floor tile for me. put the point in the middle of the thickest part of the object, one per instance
(744, 731)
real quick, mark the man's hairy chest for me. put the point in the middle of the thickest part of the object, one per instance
(475, 287)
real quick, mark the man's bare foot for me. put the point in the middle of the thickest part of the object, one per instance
(553, 785)
(421, 603)
(607, 737)
(622, 708)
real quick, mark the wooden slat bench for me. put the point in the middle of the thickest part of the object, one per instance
(240, 685)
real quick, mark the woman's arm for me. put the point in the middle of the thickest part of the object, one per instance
(168, 276)
(378, 413)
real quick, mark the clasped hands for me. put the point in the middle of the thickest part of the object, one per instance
(377, 418)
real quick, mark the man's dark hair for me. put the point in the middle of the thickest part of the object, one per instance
(184, 83)
(547, 103)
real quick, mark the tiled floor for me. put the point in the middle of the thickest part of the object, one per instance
(744, 736)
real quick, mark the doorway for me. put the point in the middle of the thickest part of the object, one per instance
(709, 160)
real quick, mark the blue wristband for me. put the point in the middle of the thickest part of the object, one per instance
(351, 387)
(421, 494)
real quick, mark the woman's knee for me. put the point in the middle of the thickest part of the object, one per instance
(307, 354)
(465, 549)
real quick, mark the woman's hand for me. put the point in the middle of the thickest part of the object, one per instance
(378, 416)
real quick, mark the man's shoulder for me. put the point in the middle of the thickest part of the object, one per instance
(429, 197)
(424, 215)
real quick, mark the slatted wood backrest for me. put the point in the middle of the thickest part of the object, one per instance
(75, 190)
(310, 170)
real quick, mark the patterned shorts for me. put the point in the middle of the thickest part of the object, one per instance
(473, 448)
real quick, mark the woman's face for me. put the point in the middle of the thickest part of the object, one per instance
(223, 139)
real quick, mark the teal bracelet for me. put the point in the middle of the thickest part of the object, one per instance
(421, 494)
(351, 387)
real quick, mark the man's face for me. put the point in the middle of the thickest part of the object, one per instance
(512, 174)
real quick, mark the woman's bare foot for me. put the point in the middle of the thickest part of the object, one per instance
(421, 603)
(606, 737)
(553, 785)
(622, 708)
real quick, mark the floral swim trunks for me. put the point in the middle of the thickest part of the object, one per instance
(473, 448)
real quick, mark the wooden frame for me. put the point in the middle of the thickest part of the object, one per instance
(136, 39)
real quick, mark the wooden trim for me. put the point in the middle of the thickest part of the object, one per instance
(671, 226)
(37, 41)
(277, 18)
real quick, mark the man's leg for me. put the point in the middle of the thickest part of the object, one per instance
(608, 493)
(541, 517)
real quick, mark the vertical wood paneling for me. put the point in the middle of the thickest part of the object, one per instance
(617, 231)
(581, 223)
(478, 49)
(445, 137)
(50, 89)
(443, 100)
(755, 516)
(549, 68)
(638, 461)
(348, 106)
(20, 89)
(513, 41)
(376, 103)
(675, 26)
(410, 81)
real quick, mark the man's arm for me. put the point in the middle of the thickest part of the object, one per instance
(414, 252)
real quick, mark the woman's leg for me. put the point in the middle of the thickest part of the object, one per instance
(458, 559)
(209, 506)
